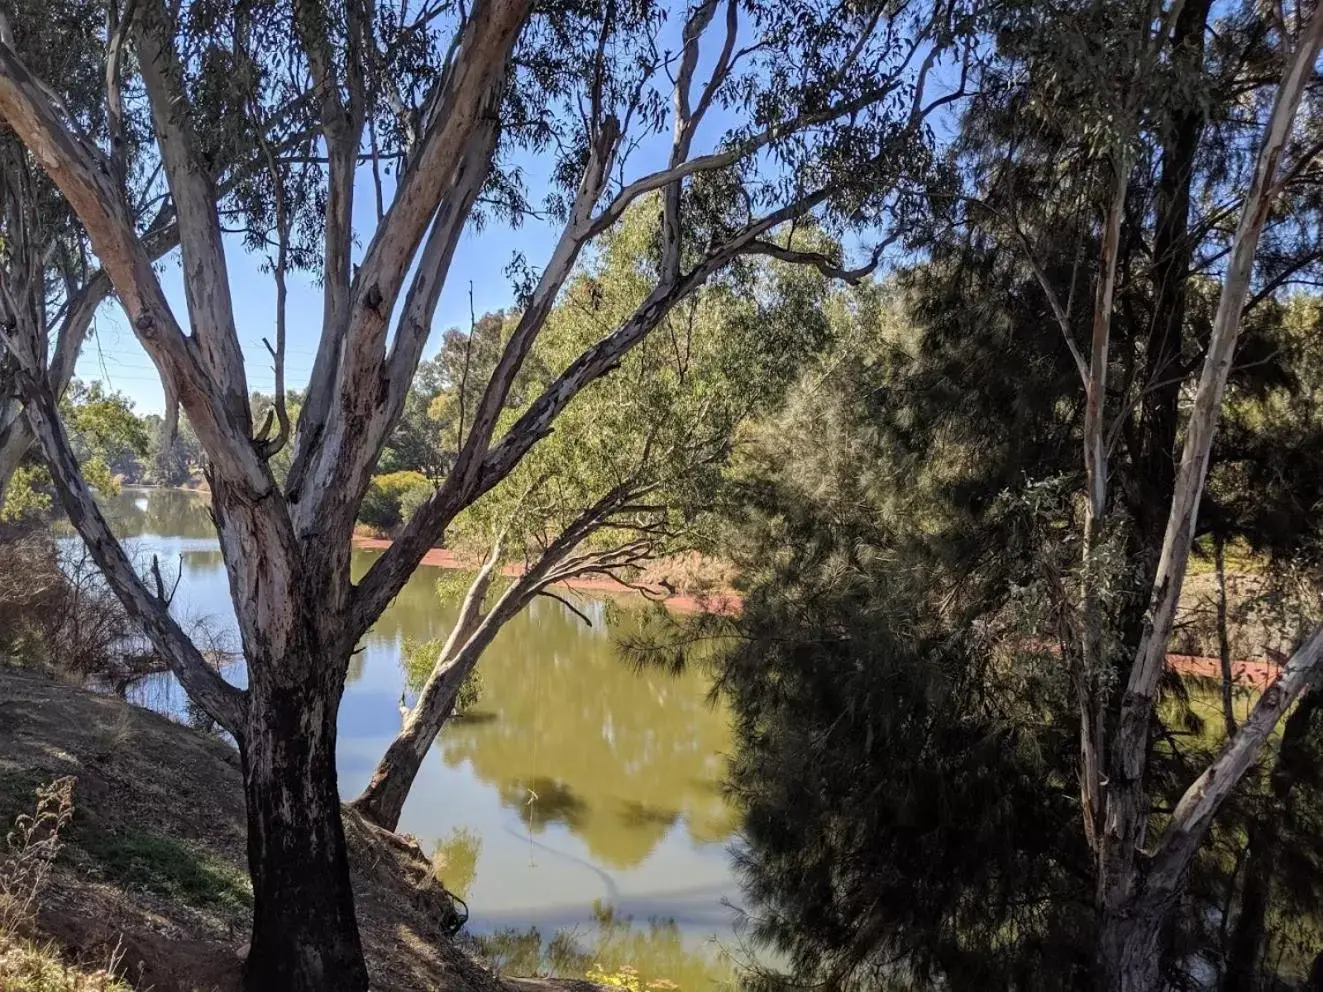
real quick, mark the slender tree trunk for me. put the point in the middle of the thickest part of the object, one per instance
(305, 932)
(1159, 417)
(1093, 647)
(382, 801)
(1248, 940)
(1223, 636)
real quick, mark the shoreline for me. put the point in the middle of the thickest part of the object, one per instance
(726, 601)
(1255, 673)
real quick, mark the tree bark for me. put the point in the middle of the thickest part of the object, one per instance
(1224, 637)
(305, 932)
(1129, 948)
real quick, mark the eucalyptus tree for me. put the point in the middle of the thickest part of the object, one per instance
(1137, 105)
(82, 47)
(635, 466)
(801, 110)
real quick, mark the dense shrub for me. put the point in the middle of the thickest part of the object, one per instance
(392, 497)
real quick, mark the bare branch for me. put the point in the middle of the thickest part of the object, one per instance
(84, 178)
(823, 263)
(567, 604)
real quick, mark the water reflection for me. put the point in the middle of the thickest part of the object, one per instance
(611, 944)
(575, 788)
(575, 737)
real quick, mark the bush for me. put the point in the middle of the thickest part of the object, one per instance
(392, 497)
(56, 610)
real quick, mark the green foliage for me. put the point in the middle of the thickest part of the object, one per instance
(665, 422)
(906, 531)
(390, 495)
(179, 462)
(26, 966)
(613, 951)
(904, 787)
(455, 860)
(420, 658)
(109, 440)
(28, 494)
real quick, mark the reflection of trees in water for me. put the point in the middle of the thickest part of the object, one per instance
(169, 512)
(615, 755)
(656, 949)
(455, 860)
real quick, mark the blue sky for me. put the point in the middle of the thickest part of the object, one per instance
(113, 355)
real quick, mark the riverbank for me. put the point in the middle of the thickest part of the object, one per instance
(152, 872)
(717, 601)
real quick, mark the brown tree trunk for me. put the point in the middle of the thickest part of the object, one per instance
(305, 932)
(382, 801)
(1172, 249)
(1224, 637)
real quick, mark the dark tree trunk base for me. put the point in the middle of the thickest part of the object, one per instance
(305, 931)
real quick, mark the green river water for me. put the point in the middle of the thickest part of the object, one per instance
(579, 798)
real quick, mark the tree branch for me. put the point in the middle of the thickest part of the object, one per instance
(222, 701)
(83, 176)
(206, 278)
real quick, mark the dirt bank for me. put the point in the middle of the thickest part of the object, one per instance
(154, 862)
(720, 601)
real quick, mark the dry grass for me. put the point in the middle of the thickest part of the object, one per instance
(30, 850)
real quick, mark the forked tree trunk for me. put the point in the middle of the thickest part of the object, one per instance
(305, 932)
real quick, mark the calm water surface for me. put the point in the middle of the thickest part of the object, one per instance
(579, 795)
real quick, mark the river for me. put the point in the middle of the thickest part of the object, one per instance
(579, 797)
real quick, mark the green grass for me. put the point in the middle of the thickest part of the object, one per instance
(167, 867)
